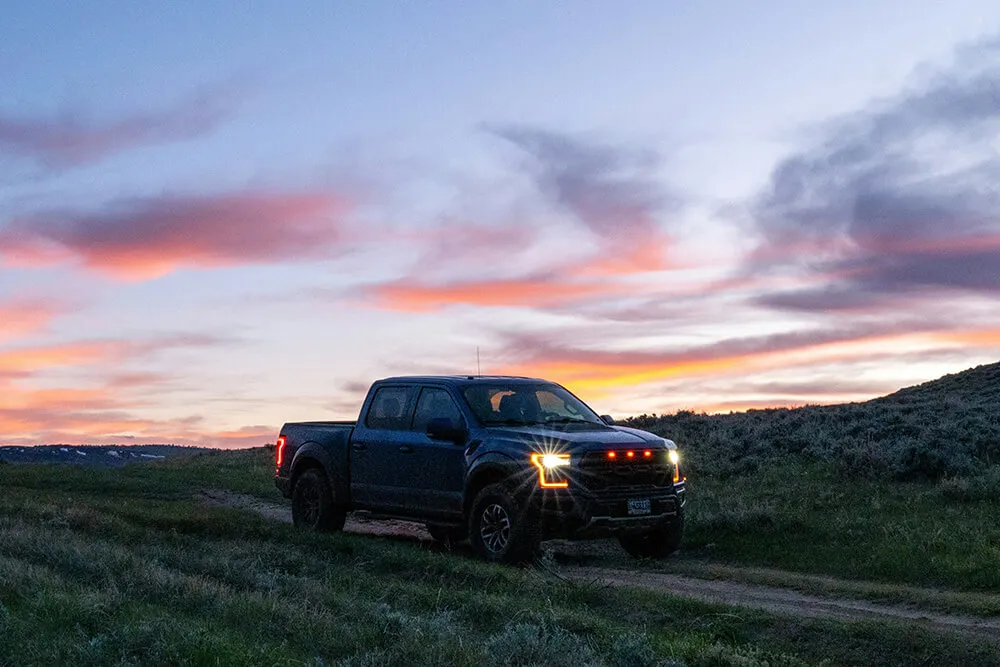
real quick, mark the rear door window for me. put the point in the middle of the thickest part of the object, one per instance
(389, 408)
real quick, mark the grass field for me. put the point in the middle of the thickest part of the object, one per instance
(128, 567)
(914, 533)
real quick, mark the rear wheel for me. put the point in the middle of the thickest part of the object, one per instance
(313, 504)
(501, 529)
(446, 534)
(659, 542)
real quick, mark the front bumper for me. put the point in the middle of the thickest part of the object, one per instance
(577, 513)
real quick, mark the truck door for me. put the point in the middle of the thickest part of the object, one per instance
(376, 472)
(434, 472)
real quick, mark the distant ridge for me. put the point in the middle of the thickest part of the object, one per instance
(102, 456)
(979, 385)
(945, 427)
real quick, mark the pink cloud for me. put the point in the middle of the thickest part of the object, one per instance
(138, 239)
(412, 296)
(23, 316)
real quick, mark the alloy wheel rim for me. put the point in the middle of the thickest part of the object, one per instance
(310, 502)
(495, 528)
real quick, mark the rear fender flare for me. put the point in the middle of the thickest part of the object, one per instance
(313, 455)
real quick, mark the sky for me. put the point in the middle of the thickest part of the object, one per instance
(218, 217)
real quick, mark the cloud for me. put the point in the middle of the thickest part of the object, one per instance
(538, 292)
(143, 238)
(33, 411)
(453, 242)
(22, 316)
(27, 360)
(605, 187)
(540, 259)
(73, 139)
(613, 191)
(897, 200)
(18, 361)
(599, 369)
(100, 416)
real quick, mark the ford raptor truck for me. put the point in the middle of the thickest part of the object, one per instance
(504, 462)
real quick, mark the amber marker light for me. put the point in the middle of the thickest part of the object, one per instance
(279, 451)
(546, 462)
(647, 454)
(630, 454)
(612, 455)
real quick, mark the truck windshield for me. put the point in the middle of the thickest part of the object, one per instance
(523, 404)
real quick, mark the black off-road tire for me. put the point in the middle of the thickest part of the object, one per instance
(659, 542)
(313, 504)
(447, 535)
(503, 530)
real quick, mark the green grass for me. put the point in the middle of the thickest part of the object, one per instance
(808, 519)
(128, 567)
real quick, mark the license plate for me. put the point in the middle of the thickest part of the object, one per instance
(639, 506)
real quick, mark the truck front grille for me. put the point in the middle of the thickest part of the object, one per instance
(598, 472)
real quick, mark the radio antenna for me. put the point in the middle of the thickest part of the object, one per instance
(479, 367)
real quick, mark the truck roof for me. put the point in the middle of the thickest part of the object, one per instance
(465, 379)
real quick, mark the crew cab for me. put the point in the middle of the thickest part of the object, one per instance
(505, 462)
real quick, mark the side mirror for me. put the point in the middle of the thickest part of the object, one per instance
(442, 428)
(608, 419)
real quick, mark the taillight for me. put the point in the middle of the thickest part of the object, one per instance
(279, 451)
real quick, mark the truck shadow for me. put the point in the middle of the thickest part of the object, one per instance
(564, 552)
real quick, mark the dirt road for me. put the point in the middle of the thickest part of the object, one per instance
(572, 561)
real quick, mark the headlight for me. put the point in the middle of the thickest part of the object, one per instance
(555, 460)
(674, 457)
(548, 465)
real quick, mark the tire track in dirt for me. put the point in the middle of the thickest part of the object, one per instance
(782, 601)
(283, 514)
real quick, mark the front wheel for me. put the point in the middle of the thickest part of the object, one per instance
(659, 542)
(501, 529)
(313, 504)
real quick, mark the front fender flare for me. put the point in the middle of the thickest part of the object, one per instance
(494, 467)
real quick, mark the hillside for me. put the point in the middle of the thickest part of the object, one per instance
(943, 428)
(979, 387)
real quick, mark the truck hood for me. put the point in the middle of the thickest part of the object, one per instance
(577, 438)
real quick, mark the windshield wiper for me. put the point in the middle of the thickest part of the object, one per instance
(568, 420)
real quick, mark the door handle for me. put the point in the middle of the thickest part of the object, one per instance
(359, 446)
(406, 449)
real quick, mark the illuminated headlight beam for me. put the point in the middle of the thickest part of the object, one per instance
(555, 460)
(545, 462)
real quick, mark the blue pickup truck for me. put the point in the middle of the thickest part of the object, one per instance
(505, 462)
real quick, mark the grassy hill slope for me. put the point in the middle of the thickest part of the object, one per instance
(945, 428)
